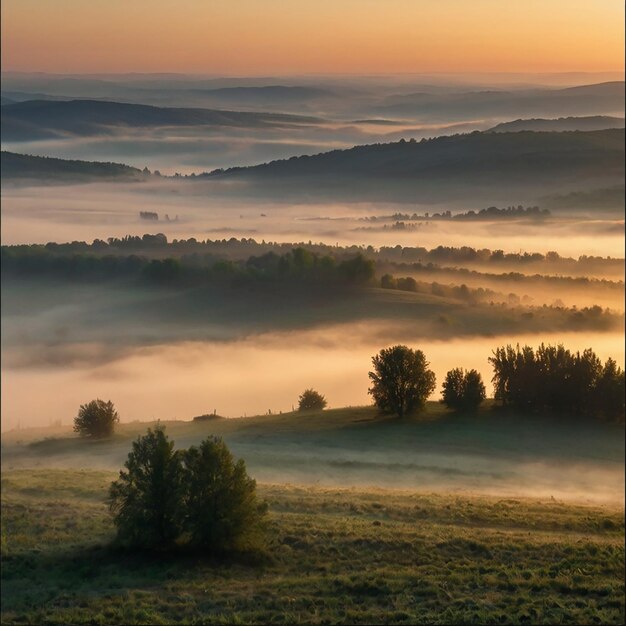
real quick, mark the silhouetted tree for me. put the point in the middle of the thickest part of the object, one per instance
(611, 391)
(401, 380)
(221, 509)
(96, 419)
(146, 498)
(311, 400)
(463, 390)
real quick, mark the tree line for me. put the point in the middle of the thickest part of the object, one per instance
(556, 380)
(551, 380)
(158, 244)
(298, 265)
(489, 213)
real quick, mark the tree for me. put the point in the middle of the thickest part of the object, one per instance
(401, 380)
(311, 400)
(463, 390)
(610, 391)
(221, 509)
(146, 499)
(96, 419)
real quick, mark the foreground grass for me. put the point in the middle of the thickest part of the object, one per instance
(333, 555)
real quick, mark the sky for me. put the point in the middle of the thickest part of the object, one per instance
(254, 37)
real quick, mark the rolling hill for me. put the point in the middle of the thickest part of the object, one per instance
(44, 169)
(41, 119)
(484, 164)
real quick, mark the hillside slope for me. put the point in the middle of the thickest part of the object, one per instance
(481, 164)
(46, 169)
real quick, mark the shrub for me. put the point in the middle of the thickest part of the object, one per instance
(221, 510)
(311, 400)
(96, 419)
(201, 494)
(401, 380)
(463, 390)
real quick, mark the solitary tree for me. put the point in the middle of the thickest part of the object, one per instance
(96, 419)
(221, 509)
(311, 400)
(146, 498)
(401, 380)
(463, 390)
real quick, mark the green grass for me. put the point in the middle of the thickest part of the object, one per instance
(351, 556)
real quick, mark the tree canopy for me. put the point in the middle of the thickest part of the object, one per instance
(146, 498)
(463, 390)
(96, 419)
(401, 380)
(221, 509)
(311, 400)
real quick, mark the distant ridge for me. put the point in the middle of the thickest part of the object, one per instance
(266, 92)
(47, 169)
(592, 122)
(451, 166)
(599, 99)
(33, 119)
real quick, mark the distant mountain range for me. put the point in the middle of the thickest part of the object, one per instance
(602, 98)
(41, 119)
(594, 122)
(265, 94)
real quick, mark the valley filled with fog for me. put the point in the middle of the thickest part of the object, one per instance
(158, 283)
(312, 312)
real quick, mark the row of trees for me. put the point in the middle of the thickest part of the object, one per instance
(244, 247)
(297, 266)
(460, 292)
(550, 379)
(554, 379)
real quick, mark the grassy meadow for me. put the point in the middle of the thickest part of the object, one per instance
(455, 544)
(333, 555)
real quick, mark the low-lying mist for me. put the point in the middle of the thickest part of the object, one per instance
(247, 376)
(196, 149)
(86, 212)
(492, 452)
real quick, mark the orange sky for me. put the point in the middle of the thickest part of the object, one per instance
(306, 36)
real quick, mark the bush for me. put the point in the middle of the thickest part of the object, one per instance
(401, 380)
(96, 419)
(221, 508)
(146, 499)
(463, 390)
(311, 400)
(200, 494)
